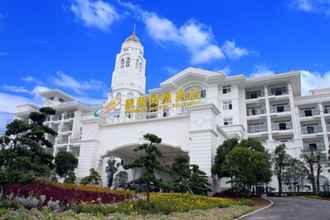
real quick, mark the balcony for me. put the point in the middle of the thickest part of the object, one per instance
(281, 126)
(309, 113)
(280, 108)
(63, 139)
(255, 111)
(278, 91)
(311, 130)
(315, 145)
(326, 109)
(254, 94)
(56, 117)
(68, 115)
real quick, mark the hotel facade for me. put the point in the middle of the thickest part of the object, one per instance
(193, 112)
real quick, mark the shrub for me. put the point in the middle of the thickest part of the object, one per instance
(66, 193)
(159, 203)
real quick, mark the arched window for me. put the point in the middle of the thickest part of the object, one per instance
(140, 66)
(195, 91)
(122, 62)
(137, 63)
(128, 60)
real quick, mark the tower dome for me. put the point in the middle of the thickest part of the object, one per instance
(128, 78)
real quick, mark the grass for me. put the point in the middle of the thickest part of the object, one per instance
(210, 214)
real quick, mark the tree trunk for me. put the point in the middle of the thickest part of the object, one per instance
(148, 193)
(312, 177)
(318, 174)
(279, 179)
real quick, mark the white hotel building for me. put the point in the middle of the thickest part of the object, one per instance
(268, 108)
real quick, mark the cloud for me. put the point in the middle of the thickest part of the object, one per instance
(170, 70)
(8, 102)
(65, 81)
(15, 89)
(232, 51)
(2, 54)
(5, 118)
(312, 6)
(31, 79)
(226, 70)
(196, 37)
(262, 70)
(314, 80)
(95, 13)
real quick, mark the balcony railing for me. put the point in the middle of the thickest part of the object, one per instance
(309, 112)
(56, 117)
(257, 128)
(326, 109)
(279, 126)
(63, 140)
(280, 108)
(278, 91)
(67, 128)
(255, 111)
(68, 115)
(318, 146)
(311, 129)
(254, 94)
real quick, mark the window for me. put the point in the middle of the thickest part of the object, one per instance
(227, 121)
(122, 63)
(226, 89)
(128, 60)
(137, 63)
(312, 146)
(227, 105)
(203, 93)
(280, 108)
(308, 112)
(282, 126)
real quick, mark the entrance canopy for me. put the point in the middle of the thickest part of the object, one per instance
(128, 155)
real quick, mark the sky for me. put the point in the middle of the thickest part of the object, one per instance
(71, 44)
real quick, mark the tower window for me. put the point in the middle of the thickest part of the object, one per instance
(128, 60)
(122, 62)
(226, 89)
(137, 63)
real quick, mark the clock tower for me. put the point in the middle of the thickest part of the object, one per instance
(128, 78)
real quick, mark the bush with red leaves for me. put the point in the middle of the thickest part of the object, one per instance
(67, 196)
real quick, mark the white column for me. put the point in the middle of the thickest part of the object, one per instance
(324, 129)
(294, 118)
(269, 121)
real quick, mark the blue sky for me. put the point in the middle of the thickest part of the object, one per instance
(71, 44)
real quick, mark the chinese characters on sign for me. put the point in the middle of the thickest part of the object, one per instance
(155, 102)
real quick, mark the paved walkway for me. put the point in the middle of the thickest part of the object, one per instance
(294, 208)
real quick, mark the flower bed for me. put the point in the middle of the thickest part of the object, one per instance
(160, 203)
(68, 193)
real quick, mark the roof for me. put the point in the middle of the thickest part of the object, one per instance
(133, 38)
(56, 92)
(191, 72)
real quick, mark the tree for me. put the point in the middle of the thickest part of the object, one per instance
(295, 173)
(25, 152)
(181, 173)
(219, 160)
(93, 178)
(312, 159)
(70, 178)
(189, 178)
(111, 169)
(149, 162)
(65, 164)
(198, 181)
(280, 160)
(121, 178)
(248, 164)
